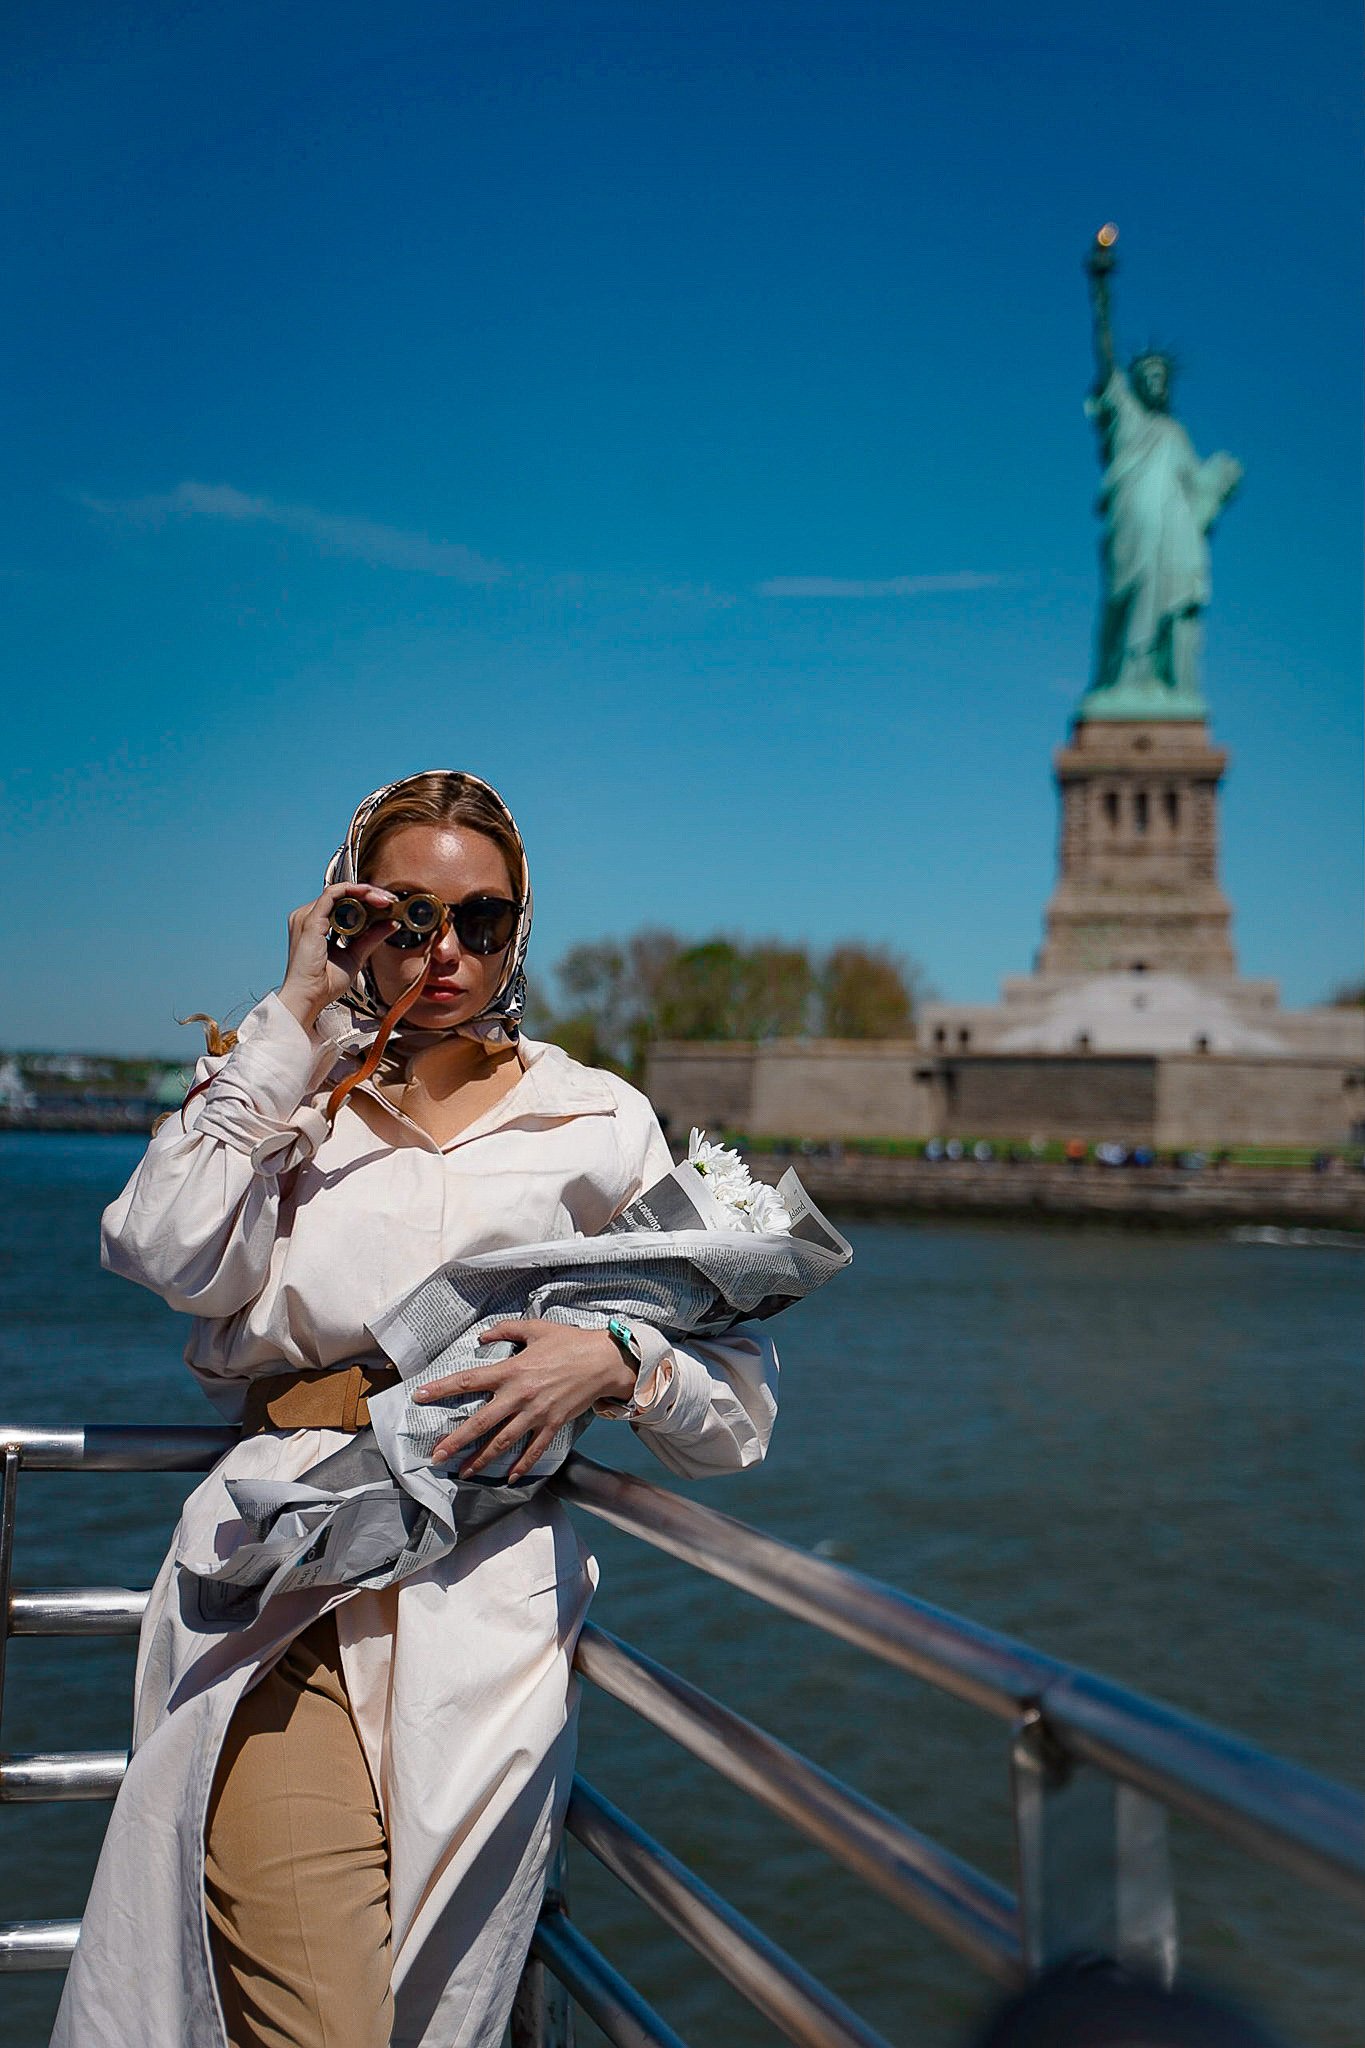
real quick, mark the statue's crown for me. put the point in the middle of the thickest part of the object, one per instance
(1164, 356)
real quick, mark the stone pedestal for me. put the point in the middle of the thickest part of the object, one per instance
(1137, 884)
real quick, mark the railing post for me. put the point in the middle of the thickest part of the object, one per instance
(9, 1504)
(1094, 1864)
(542, 2012)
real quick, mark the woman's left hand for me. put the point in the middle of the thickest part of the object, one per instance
(558, 1373)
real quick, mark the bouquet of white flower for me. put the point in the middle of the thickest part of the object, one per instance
(703, 1250)
(753, 1204)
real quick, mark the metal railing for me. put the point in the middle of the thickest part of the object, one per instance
(1095, 1769)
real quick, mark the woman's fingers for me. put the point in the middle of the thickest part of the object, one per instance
(497, 1446)
(368, 892)
(497, 1410)
(473, 1379)
(530, 1457)
(503, 1420)
(556, 1373)
(457, 1443)
(478, 1379)
(314, 917)
(317, 971)
(359, 950)
(518, 1330)
(539, 1436)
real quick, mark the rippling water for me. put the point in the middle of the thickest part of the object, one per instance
(1140, 1452)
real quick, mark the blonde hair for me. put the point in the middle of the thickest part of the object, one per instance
(442, 797)
(217, 1042)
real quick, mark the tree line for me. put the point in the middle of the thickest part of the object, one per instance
(613, 998)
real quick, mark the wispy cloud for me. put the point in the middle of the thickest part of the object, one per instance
(365, 540)
(394, 547)
(886, 586)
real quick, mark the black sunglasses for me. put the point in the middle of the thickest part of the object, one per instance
(482, 924)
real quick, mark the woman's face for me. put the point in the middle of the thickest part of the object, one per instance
(452, 862)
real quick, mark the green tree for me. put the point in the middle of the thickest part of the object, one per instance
(610, 993)
(780, 992)
(615, 997)
(701, 993)
(724, 989)
(867, 992)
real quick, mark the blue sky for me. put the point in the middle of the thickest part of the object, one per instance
(671, 412)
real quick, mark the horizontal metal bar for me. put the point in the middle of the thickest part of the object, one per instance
(1306, 1823)
(37, 1944)
(76, 1611)
(111, 1447)
(77, 1774)
(1303, 1823)
(602, 1991)
(798, 2005)
(973, 1663)
(967, 1910)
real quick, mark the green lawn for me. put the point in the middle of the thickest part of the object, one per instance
(1054, 1152)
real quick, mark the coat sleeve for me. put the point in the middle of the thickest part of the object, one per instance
(710, 1407)
(197, 1221)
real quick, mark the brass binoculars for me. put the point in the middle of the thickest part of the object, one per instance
(482, 924)
(419, 917)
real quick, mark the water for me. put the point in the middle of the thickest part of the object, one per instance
(1138, 1451)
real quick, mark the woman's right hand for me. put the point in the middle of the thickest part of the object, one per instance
(320, 971)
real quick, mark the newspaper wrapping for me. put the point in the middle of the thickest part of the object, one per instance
(378, 1509)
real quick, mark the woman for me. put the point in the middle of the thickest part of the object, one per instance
(335, 1824)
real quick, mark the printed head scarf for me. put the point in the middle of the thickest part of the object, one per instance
(499, 1022)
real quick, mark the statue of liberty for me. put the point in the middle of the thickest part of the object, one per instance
(1158, 503)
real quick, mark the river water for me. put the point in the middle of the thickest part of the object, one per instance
(1141, 1452)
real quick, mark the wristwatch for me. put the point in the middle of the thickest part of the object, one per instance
(626, 1341)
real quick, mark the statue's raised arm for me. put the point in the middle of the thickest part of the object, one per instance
(1099, 267)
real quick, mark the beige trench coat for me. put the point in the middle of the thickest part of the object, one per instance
(282, 1236)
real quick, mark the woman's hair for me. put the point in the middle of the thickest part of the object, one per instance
(441, 798)
(216, 1043)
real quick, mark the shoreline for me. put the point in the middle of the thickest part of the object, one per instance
(1277, 1197)
(1280, 1197)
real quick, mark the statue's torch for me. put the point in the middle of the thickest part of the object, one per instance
(1101, 259)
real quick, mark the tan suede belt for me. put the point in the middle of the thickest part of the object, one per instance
(334, 1399)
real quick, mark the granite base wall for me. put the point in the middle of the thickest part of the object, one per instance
(838, 1088)
(1244, 1100)
(1012, 1095)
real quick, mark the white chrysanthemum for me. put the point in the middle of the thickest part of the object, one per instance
(727, 1177)
(768, 1212)
(709, 1157)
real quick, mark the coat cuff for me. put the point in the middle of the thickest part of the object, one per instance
(680, 1402)
(651, 1381)
(673, 1391)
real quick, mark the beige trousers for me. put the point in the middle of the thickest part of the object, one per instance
(296, 1874)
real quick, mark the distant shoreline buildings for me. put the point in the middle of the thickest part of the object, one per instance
(86, 1091)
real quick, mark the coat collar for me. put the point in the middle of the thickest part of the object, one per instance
(562, 1086)
(552, 1087)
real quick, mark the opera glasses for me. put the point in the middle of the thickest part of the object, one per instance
(482, 924)
(418, 916)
